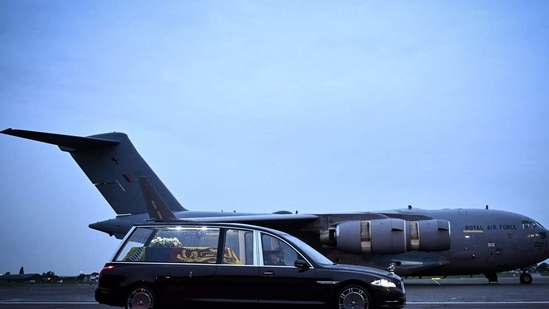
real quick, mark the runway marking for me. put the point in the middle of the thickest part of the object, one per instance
(436, 280)
(408, 303)
(477, 302)
(48, 303)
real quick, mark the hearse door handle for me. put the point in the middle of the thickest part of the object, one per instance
(268, 273)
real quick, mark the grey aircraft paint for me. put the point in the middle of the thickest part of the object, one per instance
(417, 242)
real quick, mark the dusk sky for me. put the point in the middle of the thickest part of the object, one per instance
(260, 106)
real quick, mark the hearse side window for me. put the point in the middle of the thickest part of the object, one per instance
(132, 249)
(186, 237)
(238, 247)
(174, 245)
(277, 252)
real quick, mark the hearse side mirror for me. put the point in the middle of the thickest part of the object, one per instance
(301, 264)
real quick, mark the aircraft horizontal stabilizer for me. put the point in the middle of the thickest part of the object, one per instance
(65, 142)
(113, 166)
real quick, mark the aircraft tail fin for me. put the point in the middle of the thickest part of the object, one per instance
(112, 164)
(158, 210)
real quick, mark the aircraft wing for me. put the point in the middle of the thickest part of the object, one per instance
(65, 142)
(274, 219)
(159, 211)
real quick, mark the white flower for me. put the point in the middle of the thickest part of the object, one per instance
(165, 242)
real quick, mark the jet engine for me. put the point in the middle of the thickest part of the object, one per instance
(388, 236)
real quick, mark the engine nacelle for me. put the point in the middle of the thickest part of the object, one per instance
(389, 236)
(430, 235)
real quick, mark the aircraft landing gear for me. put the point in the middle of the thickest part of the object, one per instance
(525, 278)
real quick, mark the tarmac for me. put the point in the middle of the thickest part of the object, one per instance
(421, 293)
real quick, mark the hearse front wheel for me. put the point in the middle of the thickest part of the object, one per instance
(354, 297)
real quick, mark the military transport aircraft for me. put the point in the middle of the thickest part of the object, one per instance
(417, 242)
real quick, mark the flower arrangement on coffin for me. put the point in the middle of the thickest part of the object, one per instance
(165, 242)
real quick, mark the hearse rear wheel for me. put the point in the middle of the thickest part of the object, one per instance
(141, 297)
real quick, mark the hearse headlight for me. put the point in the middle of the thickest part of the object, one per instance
(384, 283)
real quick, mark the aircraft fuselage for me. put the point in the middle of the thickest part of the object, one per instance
(482, 240)
(419, 242)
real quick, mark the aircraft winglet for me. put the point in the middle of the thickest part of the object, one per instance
(157, 208)
(65, 142)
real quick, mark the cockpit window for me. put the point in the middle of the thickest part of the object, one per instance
(528, 225)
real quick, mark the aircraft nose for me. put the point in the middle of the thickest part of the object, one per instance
(544, 232)
(543, 243)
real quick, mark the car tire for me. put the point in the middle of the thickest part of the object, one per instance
(354, 296)
(525, 278)
(141, 297)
